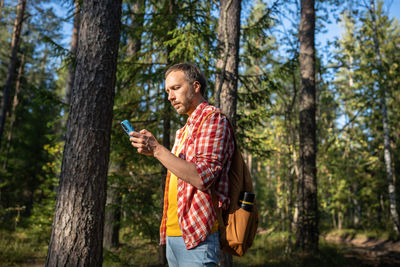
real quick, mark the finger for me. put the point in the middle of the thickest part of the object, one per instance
(145, 132)
(133, 133)
(137, 140)
(138, 145)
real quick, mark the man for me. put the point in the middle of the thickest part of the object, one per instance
(199, 160)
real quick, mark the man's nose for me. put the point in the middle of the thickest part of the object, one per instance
(171, 96)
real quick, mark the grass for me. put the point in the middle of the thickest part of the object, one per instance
(138, 252)
(17, 247)
(267, 250)
(22, 246)
(367, 234)
(273, 250)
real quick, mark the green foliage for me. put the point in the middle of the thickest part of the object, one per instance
(269, 250)
(352, 190)
(255, 82)
(353, 160)
(30, 159)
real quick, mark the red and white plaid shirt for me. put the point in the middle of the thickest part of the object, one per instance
(211, 150)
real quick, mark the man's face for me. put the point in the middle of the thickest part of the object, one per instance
(181, 94)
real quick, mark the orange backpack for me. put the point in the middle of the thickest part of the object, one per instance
(237, 226)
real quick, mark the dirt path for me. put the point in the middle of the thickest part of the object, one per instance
(371, 252)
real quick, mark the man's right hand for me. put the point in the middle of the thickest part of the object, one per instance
(144, 141)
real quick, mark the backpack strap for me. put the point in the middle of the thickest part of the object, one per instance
(229, 123)
(218, 211)
(202, 121)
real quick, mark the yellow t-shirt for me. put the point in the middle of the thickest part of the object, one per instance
(173, 228)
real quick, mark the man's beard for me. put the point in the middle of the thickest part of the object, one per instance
(187, 105)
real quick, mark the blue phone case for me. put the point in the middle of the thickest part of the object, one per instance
(127, 127)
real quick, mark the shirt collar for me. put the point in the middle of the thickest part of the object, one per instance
(196, 113)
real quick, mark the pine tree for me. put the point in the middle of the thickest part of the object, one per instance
(382, 94)
(226, 82)
(77, 235)
(225, 92)
(73, 49)
(12, 65)
(307, 224)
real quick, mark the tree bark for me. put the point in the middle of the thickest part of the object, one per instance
(13, 109)
(1, 6)
(12, 65)
(77, 234)
(135, 42)
(73, 49)
(386, 131)
(112, 217)
(226, 82)
(228, 43)
(307, 224)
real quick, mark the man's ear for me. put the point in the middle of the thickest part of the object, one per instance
(197, 86)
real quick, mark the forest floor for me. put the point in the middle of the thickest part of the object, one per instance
(368, 251)
(336, 250)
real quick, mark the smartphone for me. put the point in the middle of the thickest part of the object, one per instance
(127, 127)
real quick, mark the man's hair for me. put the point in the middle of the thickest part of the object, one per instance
(192, 74)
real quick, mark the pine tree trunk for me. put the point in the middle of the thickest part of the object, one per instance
(1, 6)
(77, 234)
(386, 131)
(73, 49)
(226, 82)
(307, 224)
(13, 109)
(11, 65)
(227, 64)
(135, 42)
(113, 216)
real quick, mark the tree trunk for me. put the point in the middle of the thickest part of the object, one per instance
(74, 46)
(225, 92)
(227, 64)
(135, 42)
(112, 217)
(279, 195)
(13, 109)
(334, 220)
(77, 234)
(386, 131)
(11, 65)
(307, 224)
(1, 6)
(293, 171)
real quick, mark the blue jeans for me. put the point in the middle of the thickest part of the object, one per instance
(205, 254)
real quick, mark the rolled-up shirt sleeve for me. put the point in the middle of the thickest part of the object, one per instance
(211, 147)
